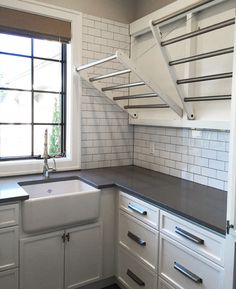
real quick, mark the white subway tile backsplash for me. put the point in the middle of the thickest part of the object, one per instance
(107, 138)
(203, 159)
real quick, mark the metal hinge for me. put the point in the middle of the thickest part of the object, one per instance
(228, 226)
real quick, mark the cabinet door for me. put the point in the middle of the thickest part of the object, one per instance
(83, 255)
(9, 279)
(8, 248)
(42, 262)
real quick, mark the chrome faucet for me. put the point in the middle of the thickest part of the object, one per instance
(46, 168)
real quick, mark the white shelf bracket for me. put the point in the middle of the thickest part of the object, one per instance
(153, 86)
(172, 72)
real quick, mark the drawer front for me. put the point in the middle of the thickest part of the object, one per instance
(185, 269)
(140, 239)
(196, 238)
(8, 248)
(141, 210)
(9, 215)
(133, 274)
(9, 279)
(164, 285)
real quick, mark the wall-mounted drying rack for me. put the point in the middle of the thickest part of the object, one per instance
(170, 64)
(144, 81)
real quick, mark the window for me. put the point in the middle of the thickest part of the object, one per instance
(35, 25)
(32, 96)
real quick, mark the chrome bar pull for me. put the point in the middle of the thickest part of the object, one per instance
(189, 236)
(135, 278)
(188, 273)
(136, 239)
(137, 209)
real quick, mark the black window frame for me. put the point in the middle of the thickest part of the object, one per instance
(62, 92)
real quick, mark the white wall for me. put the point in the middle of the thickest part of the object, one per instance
(144, 7)
(118, 10)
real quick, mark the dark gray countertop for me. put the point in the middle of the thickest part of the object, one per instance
(201, 204)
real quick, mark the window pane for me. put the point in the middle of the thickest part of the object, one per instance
(15, 106)
(47, 49)
(47, 108)
(15, 140)
(15, 44)
(15, 72)
(47, 75)
(54, 139)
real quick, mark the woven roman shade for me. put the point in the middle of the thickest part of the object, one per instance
(32, 25)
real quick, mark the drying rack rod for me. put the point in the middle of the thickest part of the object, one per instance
(86, 66)
(140, 106)
(199, 32)
(181, 12)
(202, 56)
(117, 73)
(205, 78)
(136, 96)
(128, 85)
(207, 98)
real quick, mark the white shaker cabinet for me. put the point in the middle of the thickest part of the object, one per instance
(9, 236)
(42, 261)
(64, 259)
(83, 255)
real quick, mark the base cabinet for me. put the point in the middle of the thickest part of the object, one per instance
(63, 259)
(41, 262)
(9, 238)
(9, 279)
(83, 256)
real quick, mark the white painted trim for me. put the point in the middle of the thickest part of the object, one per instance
(73, 160)
(231, 198)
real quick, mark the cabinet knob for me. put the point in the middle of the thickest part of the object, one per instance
(68, 237)
(63, 238)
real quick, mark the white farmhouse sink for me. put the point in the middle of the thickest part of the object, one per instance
(59, 203)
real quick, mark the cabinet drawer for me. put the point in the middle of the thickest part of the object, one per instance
(133, 274)
(9, 279)
(141, 210)
(186, 269)
(164, 285)
(9, 215)
(8, 248)
(194, 237)
(140, 239)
